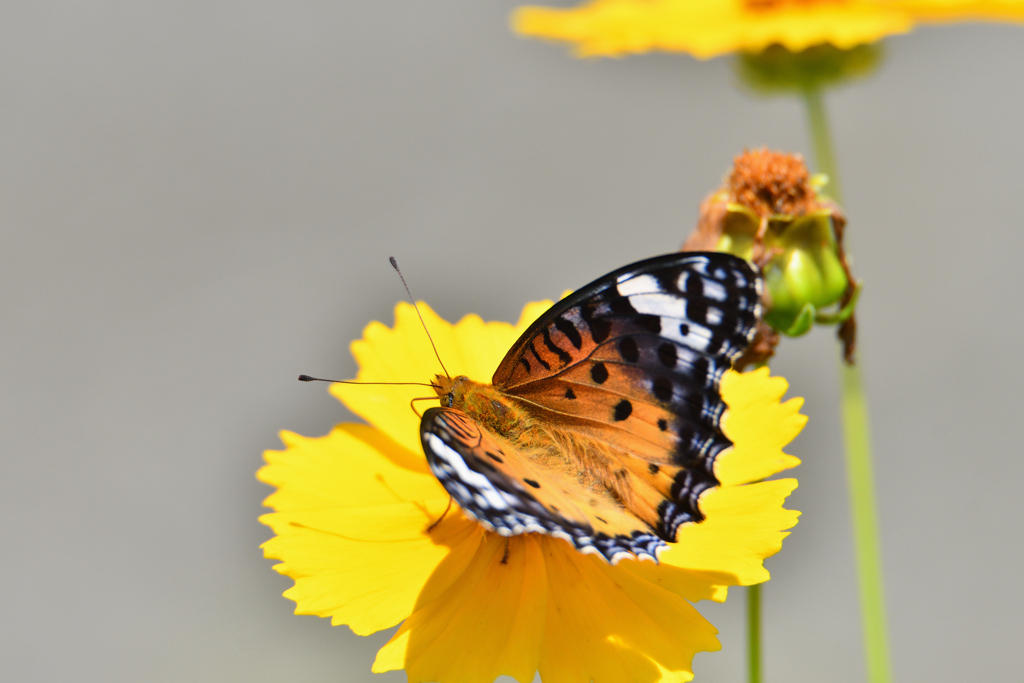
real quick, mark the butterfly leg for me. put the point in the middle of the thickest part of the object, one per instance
(504, 558)
(443, 514)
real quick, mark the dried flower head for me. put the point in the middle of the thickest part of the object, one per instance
(769, 212)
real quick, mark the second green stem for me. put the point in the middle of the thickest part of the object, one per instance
(857, 440)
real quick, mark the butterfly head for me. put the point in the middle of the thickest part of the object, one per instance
(451, 390)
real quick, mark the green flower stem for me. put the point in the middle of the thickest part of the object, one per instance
(858, 450)
(865, 524)
(821, 139)
(754, 633)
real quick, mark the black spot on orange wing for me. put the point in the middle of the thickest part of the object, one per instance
(600, 328)
(554, 348)
(599, 373)
(628, 349)
(663, 389)
(623, 410)
(652, 468)
(533, 349)
(532, 483)
(569, 330)
(570, 394)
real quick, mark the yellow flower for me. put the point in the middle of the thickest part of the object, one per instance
(353, 520)
(708, 28)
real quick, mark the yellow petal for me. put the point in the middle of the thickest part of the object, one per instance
(355, 465)
(758, 426)
(959, 10)
(488, 622)
(691, 584)
(744, 525)
(709, 28)
(609, 625)
(366, 567)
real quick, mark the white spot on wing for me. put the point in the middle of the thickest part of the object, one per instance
(620, 555)
(715, 290)
(451, 458)
(665, 305)
(697, 338)
(629, 285)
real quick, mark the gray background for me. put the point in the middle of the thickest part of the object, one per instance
(198, 200)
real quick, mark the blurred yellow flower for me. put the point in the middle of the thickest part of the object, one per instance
(708, 28)
(354, 527)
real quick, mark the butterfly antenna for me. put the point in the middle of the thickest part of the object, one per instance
(307, 378)
(394, 264)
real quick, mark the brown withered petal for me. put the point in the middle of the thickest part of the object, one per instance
(709, 225)
(761, 349)
(847, 332)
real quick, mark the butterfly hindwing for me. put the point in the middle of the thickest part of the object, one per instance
(510, 493)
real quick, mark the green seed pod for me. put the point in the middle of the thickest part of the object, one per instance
(806, 269)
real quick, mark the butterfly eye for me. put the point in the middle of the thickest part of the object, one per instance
(449, 399)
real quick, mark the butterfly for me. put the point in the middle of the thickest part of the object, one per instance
(601, 426)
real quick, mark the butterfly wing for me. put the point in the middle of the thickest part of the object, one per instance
(633, 361)
(510, 494)
(621, 379)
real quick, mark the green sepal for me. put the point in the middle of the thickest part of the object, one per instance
(777, 70)
(844, 313)
(792, 326)
(803, 323)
